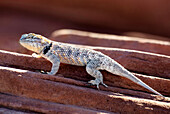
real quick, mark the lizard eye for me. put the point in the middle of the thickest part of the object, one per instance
(30, 37)
(35, 37)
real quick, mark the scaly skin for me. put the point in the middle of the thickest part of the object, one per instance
(94, 61)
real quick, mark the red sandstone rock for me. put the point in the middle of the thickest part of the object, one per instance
(137, 61)
(20, 82)
(10, 111)
(146, 36)
(106, 40)
(29, 105)
(36, 85)
(77, 72)
(58, 94)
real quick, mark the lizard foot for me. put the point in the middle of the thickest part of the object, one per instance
(94, 82)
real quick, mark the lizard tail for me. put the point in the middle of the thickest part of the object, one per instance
(115, 68)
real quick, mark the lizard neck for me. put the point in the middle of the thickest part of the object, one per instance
(46, 48)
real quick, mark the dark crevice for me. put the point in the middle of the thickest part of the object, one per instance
(75, 77)
(39, 70)
(139, 58)
(20, 110)
(146, 74)
(22, 68)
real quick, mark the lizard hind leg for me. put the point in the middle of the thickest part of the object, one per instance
(93, 71)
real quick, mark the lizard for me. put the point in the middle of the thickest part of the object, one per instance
(94, 61)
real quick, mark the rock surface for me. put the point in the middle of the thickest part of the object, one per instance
(23, 89)
(69, 87)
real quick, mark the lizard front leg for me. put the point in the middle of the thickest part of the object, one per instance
(54, 59)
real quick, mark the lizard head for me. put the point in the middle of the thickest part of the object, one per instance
(34, 42)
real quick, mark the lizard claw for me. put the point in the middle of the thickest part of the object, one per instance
(88, 84)
(98, 87)
(43, 72)
(94, 82)
(104, 85)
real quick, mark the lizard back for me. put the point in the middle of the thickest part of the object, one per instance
(76, 56)
(70, 54)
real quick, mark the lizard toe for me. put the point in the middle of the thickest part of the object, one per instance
(104, 85)
(43, 72)
(94, 82)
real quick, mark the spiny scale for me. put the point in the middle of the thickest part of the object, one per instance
(70, 55)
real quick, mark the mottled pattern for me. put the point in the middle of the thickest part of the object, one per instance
(71, 55)
(94, 61)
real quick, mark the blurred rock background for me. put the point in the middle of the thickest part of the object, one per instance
(145, 22)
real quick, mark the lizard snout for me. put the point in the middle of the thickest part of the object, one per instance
(24, 36)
